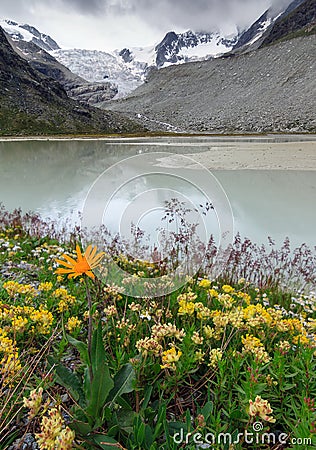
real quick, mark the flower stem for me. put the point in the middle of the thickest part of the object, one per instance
(89, 329)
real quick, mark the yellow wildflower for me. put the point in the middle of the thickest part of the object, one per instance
(301, 339)
(311, 325)
(13, 288)
(220, 319)
(215, 355)
(226, 300)
(244, 296)
(213, 293)
(284, 347)
(227, 289)
(196, 338)
(47, 286)
(186, 308)
(6, 344)
(235, 317)
(169, 358)
(270, 380)
(53, 436)
(148, 345)
(110, 311)
(66, 299)
(199, 356)
(208, 331)
(255, 347)
(160, 331)
(188, 297)
(10, 365)
(43, 319)
(205, 283)
(73, 323)
(256, 315)
(34, 402)
(202, 312)
(261, 408)
(19, 323)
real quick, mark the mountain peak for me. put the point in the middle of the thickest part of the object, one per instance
(28, 33)
(189, 46)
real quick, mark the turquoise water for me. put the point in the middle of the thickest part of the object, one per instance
(55, 177)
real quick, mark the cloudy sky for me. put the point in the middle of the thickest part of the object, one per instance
(110, 24)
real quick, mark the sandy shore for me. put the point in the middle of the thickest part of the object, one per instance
(280, 156)
(221, 153)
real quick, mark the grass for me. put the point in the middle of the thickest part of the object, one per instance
(164, 372)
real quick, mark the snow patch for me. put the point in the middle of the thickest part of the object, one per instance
(16, 31)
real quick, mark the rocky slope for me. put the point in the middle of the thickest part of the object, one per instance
(31, 103)
(299, 18)
(78, 88)
(272, 26)
(269, 89)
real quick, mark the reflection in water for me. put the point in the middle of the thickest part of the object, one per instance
(54, 177)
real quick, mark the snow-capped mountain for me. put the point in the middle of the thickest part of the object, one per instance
(98, 66)
(253, 36)
(39, 59)
(28, 33)
(189, 46)
(254, 33)
(109, 71)
(127, 68)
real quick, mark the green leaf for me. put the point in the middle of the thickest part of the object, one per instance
(287, 387)
(240, 389)
(81, 347)
(105, 442)
(125, 419)
(236, 414)
(68, 380)
(124, 382)
(259, 388)
(98, 354)
(124, 404)
(148, 438)
(147, 395)
(81, 428)
(139, 430)
(207, 410)
(98, 389)
(113, 431)
(290, 375)
(188, 419)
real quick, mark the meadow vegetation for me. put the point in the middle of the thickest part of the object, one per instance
(85, 365)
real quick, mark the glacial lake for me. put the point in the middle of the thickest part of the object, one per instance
(116, 181)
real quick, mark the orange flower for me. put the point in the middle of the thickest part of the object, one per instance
(84, 264)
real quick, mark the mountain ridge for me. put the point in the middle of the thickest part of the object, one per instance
(31, 103)
(126, 69)
(266, 90)
(29, 33)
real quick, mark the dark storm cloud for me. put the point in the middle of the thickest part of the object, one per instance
(195, 14)
(204, 14)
